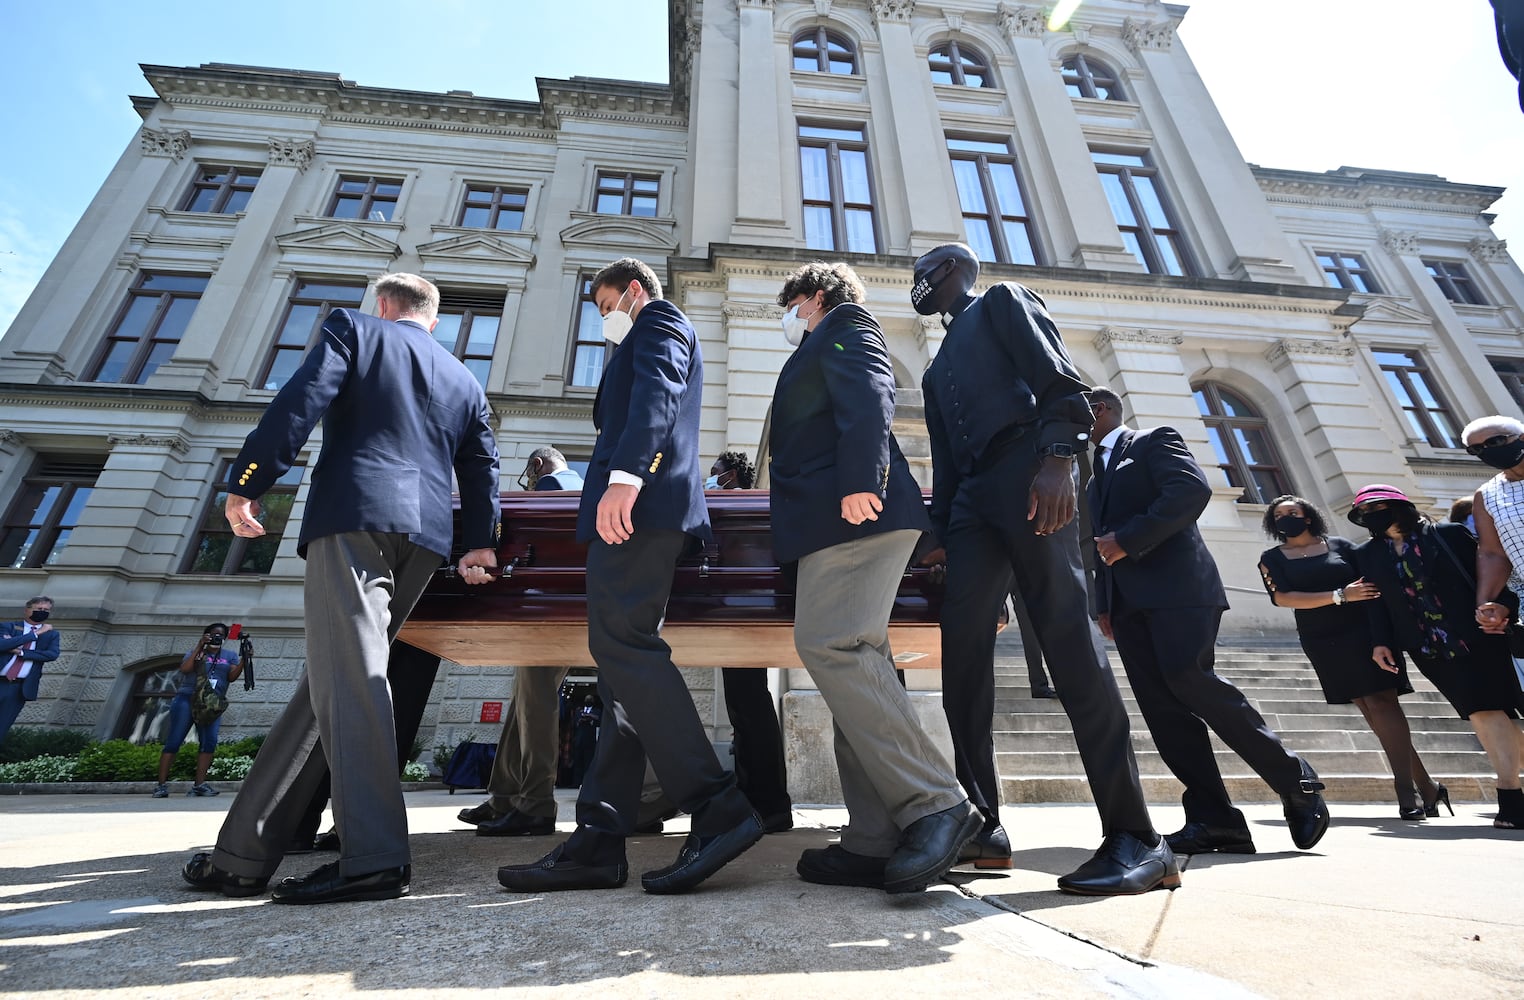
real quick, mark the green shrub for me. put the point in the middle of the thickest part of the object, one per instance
(27, 742)
(415, 771)
(119, 760)
(248, 746)
(39, 769)
(229, 768)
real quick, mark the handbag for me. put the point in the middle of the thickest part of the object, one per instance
(1515, 634)
(207, 703)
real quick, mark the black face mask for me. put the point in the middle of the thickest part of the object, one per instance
(1377, 521)
(1290, 525)
(1504, 456)
(38, 616)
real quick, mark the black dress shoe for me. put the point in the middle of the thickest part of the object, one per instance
(326, 841)
(478, 814)
(1044, 692)
(326, 885)
(1124, 866)
(651, 825)
(202, 874)
(701, 857)
(835, 865)
(555, 872)
(778, 822)
(990, 848)
(1306, 812)
(1199, 838)
(515, 824)
(930, 846)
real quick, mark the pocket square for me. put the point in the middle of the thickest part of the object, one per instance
(1124, 463)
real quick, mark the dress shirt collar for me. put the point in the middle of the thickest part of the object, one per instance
(1110, 440)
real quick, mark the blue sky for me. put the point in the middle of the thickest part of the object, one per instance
(1303, 84)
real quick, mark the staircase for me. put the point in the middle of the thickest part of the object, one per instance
(1037, 760)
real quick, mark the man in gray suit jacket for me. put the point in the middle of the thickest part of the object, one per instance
(399, 413)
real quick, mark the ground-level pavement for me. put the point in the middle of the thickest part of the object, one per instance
(91, 904)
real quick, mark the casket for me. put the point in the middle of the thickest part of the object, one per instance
(731, 604)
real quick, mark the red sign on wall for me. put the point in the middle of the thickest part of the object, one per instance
(492, 711)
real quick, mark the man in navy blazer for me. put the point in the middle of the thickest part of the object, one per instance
(1160, 598)
(400, 413)
(24, 647)
(642, 506)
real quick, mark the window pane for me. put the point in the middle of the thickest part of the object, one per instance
(339, 295)
(647, 184)
(1425, 394)
(1417, 425)
(817, 228)
(174, 282)
(202, 200)
(941, 75)
(300, 322)
(1394, 382)
(808, 63)
(1447, 429)
(60, 542)
(282, 368)
(480, 368)
(510, 218)
(1214, 435)
(1130, 241)
(1267, 484)
(389, 189)
(817, 180)
(1153, 209)
(827, 132)
(1121, 159)
(1107, 92)
(160, 354)
(588, 366)
(860, 231)
(1202, 406)
(259, 555)
(483, 335)
(139, 314)
(643, 205)
(970, 191)
(211, 553)
(236, 201)
(1393, 359)
(1254, 445)
(1116, 197)
(979, 240)
(381, 211)
(346, 208)
(1361, 285)
(978, 146)
(1232, 406)
(447, 332)
(610, 204)
(1019, 242)
(1167, 254)
(854, 177)
(176, 318)
(475, 215)
(841, 66)
(77, 502)
(115, 365)
(1007, 191)
(16, 546)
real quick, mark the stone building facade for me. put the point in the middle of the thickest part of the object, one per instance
(1306, 332)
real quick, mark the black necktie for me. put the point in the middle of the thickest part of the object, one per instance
(1100, 465)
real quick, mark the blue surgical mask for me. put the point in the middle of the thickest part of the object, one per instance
(712, 483)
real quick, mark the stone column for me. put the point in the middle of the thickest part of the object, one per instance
(759, 132)
(140, 506)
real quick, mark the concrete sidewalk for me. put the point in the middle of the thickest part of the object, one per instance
(91, 904)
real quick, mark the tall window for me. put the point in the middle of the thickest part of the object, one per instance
(1085, 76)
(217, 550)
(1347, 270)
(588, 352)
(838, 196)
(147, 716)
(1241, 439)
(957, 64)
(1145, 222)
(371, 198)
(1410, 380)
(995, 216)
(46, 511)
(221, 190)
(1511, 371)
(494, 207)
(308, 306)
(626, 194)
(1455, 282)
(467, 328)
(148, 328)
(817, 50)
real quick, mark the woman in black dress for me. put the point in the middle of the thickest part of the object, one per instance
(1314, 573)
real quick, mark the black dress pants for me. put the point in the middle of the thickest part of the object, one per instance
(989, 538)
(757, 740)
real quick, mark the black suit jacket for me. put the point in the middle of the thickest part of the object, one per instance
(12, 637)
(830, 438)
(1392, 621)
(1153, 493)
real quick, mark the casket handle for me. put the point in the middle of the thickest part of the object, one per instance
(704, 567)
(524, 559)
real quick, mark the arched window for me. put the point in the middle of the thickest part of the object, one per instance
(958, 64)
(1085, 76)
(145, 718)
(1241, 439)
(817, 50)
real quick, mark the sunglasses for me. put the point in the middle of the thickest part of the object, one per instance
(1492, 442)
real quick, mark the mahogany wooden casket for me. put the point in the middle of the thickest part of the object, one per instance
(731, 605)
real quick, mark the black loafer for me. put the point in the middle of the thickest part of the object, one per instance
(1306, 812)
(929, 847)
(478, 814)
(1124, 866)
(1199, 838)
(326, 885)
(778, 822)
(555, 872)
(1044, 692)
(200, 873)
(835, 865)
(701, 857)
(990, 848)
(515, 824)
(326, 841)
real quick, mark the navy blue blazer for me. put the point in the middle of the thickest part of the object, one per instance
(647, 415)
(12, 637)
(830, 438)
(1153, 493)
(399, 412)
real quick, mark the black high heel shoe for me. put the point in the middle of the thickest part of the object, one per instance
(1441, 794)
(1414, 813)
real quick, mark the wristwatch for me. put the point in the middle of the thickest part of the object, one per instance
(1057, 450)
(1338, 595)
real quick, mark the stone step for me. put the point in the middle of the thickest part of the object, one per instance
(1310, 742)
(1330, 762)
(1158, 789)
(1419, 703)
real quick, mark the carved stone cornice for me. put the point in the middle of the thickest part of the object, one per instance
(174, 442)
(164, 142)
(750, 310)
(823, 8)
(291, 153)
(893, 11)
(1288, 346)
(764, 4)
(1398, 242)
(1485, 249)
(9, 437)
(954, 20)
(1140, 35)
(1021, 22)
(1116, 335)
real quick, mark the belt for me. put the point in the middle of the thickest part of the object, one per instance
(1000, 445)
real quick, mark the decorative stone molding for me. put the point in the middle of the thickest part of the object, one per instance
(1486, 249)
(174, 443)
(823, 8)
(954, 20)
(1115, 335)
(764, 4)
(165, 142)
(750, 310)
(1288, 346)
(290, 153)
(1140, 35)
(1021, 22)
(9, 437)
(893, 10)
(1399, 243)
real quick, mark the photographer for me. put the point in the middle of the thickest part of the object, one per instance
(220, 669)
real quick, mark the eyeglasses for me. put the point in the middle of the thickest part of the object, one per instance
(1492, 442)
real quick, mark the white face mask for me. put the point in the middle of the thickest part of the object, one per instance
(616, 325)
(794, 325)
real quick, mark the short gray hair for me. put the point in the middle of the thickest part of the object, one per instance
(412, 295)
(1496, 422)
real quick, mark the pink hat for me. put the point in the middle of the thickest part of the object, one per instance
(1373, 492)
